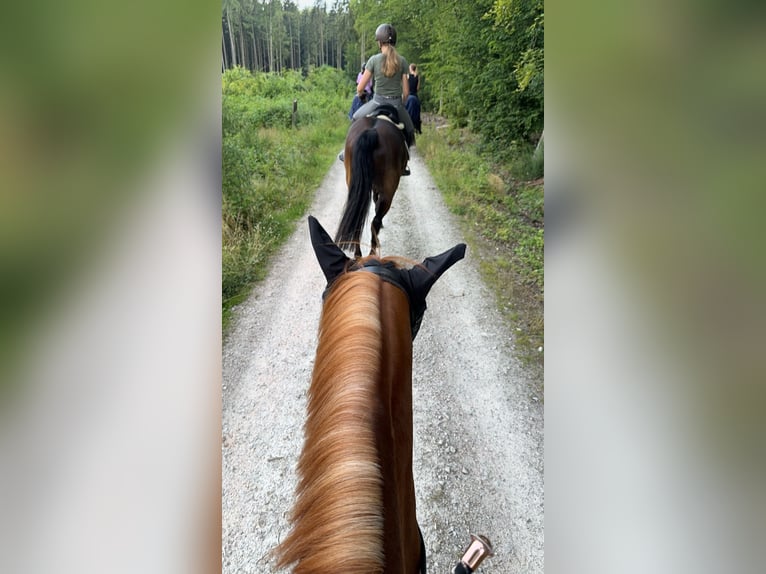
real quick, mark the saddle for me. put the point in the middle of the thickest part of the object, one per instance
(391, 114)
(387, 112)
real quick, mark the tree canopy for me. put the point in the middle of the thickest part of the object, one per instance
(482, 62)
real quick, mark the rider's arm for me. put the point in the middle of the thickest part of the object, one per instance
(405, 88)
(363, 82)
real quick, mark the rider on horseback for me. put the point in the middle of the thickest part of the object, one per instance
(390, 71)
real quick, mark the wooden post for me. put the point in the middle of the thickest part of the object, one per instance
(295, 111)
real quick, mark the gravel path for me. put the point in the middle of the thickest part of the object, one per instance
(478, 422)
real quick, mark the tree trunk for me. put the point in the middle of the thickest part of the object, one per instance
(224, 59)
(271, 46)
(252, 37)
(241, 43)
(279, 48)
(339, 54)
(361, 48)
(231, 39)
(292, 46)
(540, 148)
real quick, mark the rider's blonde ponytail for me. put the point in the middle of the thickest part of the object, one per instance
(391, 64)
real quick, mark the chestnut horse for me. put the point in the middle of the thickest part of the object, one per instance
(355, 499)
(375, 156)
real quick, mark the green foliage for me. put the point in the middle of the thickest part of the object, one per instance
(497, 197)
(482, 62)
(270, 170)
(501, 205)
(525, 163)
(482, 66)
(327, 80)
(529, 251)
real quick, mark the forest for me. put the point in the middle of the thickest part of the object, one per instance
(482, 62)
(481, 67)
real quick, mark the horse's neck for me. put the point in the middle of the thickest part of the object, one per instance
(401, 538)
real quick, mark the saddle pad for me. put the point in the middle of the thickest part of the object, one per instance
(400, 126)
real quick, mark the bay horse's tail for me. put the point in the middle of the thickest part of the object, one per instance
(359, 190)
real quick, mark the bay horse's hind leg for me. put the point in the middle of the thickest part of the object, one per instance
(382, 205)
(375, 244)
(375, 202)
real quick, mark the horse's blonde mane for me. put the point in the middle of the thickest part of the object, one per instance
(337, 520)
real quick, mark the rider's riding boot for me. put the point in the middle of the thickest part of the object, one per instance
(406, 170)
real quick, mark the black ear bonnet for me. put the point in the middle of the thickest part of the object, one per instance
(415, 282)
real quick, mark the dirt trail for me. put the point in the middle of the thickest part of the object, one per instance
(478, 423)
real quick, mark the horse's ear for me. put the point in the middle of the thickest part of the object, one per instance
(423, 277)
(331, 258)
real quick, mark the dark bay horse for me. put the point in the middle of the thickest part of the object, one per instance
(355, 505)
(375, 156)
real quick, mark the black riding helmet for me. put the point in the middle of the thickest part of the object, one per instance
(386, 34)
